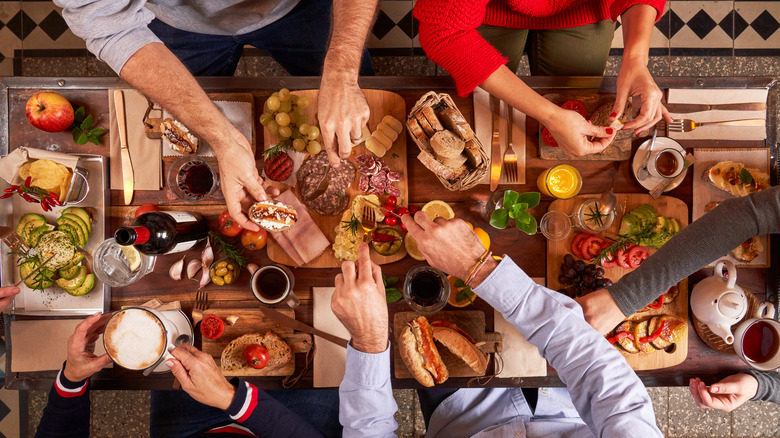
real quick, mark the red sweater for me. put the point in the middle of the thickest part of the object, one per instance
(449, 37)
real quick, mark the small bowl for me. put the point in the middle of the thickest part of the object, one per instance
(232, 271)
(187, 178)
(388, 248)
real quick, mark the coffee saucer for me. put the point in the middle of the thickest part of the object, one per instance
(182, 323)
(641, 155)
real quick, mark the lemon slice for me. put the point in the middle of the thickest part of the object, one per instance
(411, 248)
(438, 208)
(133, 257)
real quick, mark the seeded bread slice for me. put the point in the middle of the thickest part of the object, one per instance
(447, 144)
(232, 358)
(440, 169)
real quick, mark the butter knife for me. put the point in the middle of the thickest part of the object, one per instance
(682, 108)
(127, 165)
(294, 324)
(495, 148)
(322, 186)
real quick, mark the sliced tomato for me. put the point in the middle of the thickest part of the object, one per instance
(622, 259)
(211, 327)
(637, 255)
(609, 261)
(576, 106)
(575, 244)
(548, 138)
(591, 247)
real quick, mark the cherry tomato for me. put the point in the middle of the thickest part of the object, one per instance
(253, 240)
(637, 255)
(227, 225)
(576, 106)
(576, 242)
(609, 261)
(256, 356)
(146, 208)
(622, 259)
(548, 138)
(389, 207)
(591, 247)
(211, 327)
(402, 211)
(391, 201)
(391, 220)
(413, 209)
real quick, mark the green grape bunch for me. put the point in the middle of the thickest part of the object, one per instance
(285, 117)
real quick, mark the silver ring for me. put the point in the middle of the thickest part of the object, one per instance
(355, 140)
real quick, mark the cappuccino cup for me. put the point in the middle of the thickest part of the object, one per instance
(273, 284)
(138, 337)
(757, 340)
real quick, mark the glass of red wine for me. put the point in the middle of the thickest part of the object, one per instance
(193, 178)
(426, 289)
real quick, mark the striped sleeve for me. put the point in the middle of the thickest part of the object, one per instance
(67, 389)
(67, 412)
(244, 403)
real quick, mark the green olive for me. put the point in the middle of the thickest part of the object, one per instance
(228, 278)
(221, 271)
(231, 267)
(219, 281)
(221, 264)
(213, 272)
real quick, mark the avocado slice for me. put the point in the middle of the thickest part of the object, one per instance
(660, 225)
(70, 273)
(27, 223)
(82, 214)
(77, 220)
(77, 258)
(38, 232)
(675, 225)
(89, 283)
(37, 280)
(74, 230)
(74, 282)
(630, 224)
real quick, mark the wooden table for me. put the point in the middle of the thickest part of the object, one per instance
(527, 251)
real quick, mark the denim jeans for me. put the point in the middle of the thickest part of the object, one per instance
(298, 41)
(176, 414)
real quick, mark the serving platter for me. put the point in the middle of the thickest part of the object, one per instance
(666, 206)
(381, 103)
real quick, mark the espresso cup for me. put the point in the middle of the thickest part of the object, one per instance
(757, 340)
(137, 338)
(666, 163)
(273, 284)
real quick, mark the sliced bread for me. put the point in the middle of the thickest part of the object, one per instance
(424, 124)
(416, 131)
(440, 169)
(232, 358)
(473, 153)
(453, 120)
(279, 351)
(453, 163)
(447, 144)
(430, 116)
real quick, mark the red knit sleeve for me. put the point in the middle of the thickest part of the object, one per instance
(449, 37)
(619, 6)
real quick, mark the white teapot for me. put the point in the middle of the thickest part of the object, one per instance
(719, 303)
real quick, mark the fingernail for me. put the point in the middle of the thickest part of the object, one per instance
(613, 115)
(169, 363)
(714, 389)
(610, 131)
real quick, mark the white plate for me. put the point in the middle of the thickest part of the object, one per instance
(640, 157)
(180, 320)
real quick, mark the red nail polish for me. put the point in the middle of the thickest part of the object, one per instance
(613, 115)
(610, 131)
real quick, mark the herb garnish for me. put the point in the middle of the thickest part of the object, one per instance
(745, 176)
(82, 128)
(464, 293)
(228, 249)
(272, 151)
(391, 293)
(351, 225)
(596, 216)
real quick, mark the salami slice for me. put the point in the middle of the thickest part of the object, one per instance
(363, 184)
(393, 190)
(394, 176)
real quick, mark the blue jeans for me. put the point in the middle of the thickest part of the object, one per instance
(298, 41)
(176, 414)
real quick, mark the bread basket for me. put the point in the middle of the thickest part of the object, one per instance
(439, 102)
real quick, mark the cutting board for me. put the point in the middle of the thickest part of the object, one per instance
(252, 321)
(619, 150)
(381, 103)
(704, 192)
(470, 321)
(666, 206)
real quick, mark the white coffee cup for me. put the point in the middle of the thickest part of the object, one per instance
(273, 284)
(664, 155)
(757, 340)
(137, 338)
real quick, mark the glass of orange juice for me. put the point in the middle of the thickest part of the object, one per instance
(562, 181)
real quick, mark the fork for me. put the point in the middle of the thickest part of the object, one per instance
(510, 157)
(688, 125)
(14, 241)
(201, 303)
(368, 220)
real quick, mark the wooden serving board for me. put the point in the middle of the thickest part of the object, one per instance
(619, 150)
(666, 206)
(470, 321)
(381, 103)
(704, 192)
(251, 320)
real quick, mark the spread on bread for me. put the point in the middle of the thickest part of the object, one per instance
(735, 178)
(177, 137)
(273, 216)
(748, 250)
(232, 358)
(649, 335)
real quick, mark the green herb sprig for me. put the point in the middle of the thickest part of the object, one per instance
(82, 128)
(595, 215)
(228, 249)
(465, 292)
(745, 176)
(392, 294)
(351, 225)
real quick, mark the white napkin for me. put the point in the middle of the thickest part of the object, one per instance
(238, 113)
(329, 359)
(711, 96)
(520, 357)
(483, 129)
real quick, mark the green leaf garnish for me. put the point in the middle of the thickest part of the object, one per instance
(745, 176)
(499, 218)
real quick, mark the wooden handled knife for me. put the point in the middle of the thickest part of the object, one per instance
(127, 165)
(294, 324)
(495, 148)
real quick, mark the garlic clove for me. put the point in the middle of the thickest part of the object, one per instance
(231, 319)
(251, 267)
(175, 271)
(192, 268)
(205, 277)
(208, 256)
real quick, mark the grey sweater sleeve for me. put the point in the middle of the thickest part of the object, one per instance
(113, 29)
(700, 243)
(768, 386)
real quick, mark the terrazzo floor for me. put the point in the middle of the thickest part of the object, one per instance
(126, 413)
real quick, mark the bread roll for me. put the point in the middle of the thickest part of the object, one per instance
(453, 120)
(440, 169)
(447, 145)
(461, 347)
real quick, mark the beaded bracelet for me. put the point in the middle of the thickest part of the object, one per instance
(482, 259)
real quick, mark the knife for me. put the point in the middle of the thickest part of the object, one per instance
(322, 186)
(294, 324)
(495, 149)
(127, 165)
(682, 108)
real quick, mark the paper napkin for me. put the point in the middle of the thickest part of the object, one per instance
(710, 96)
(329, 359)
(144, 152)
(42, 345)
(483, 129)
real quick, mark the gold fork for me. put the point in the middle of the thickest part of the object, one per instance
(368, 220)
(201, 303)
(510, 157)
(14, 241)
(688, 125)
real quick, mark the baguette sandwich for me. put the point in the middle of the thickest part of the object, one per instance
(273, 216)
(177, 137)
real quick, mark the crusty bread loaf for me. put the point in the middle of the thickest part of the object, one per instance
(232, 358)
(426, 127)
(453, 120)
(453, 163)
(407, 346)
(440, 169)
(447, 144)
(416, 131)
(430, 116)
(461, 347)
(473, 154)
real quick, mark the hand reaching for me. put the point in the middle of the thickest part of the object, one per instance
(239, 180)
(634, 79)
(342, 112)
(359, 303)
(726, 395)
(82, 362)
(571, 131)
(600, 310)
(200, 377)
(7, 295)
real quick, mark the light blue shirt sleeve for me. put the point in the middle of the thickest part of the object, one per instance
(607, 393)
(366, 403)
(113, 30)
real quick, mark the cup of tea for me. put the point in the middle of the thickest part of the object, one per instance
(666, 163)
(757, 340)
(273, 284)
(137, 338)
(426, 289)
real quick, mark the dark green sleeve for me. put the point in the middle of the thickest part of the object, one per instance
(768, 386)
(700, 243)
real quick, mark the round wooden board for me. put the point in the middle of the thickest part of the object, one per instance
(716, 342)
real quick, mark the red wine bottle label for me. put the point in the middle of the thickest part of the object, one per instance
(181, 216)
(183, 246)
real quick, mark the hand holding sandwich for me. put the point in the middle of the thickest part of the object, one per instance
(359, 303)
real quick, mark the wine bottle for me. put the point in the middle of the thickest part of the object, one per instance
(163, 232)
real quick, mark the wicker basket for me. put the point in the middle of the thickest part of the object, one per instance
(439, 102)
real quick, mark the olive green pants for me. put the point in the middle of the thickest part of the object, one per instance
(576, 51)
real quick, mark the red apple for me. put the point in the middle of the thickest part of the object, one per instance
(49, 111)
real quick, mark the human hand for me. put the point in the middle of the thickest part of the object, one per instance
(342, 112)
(359, 303)
(726, 395)
(634, 79)
(571, 131)
(7, 295)
(82, 362)
(600, 310)
(200, 377)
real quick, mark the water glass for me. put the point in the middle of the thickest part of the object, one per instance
(112, 268)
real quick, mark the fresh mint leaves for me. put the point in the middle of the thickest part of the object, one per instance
(82, 128)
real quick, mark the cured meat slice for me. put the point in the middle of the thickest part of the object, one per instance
(363, 184)
(393, 190)
(393, 176)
